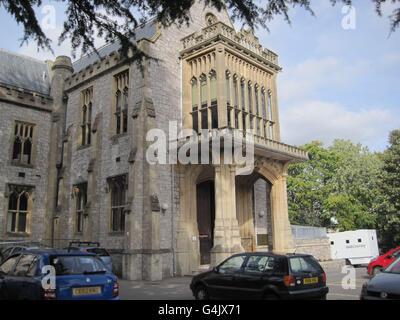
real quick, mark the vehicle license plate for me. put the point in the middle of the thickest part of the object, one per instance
(310, 280)
(86, 291)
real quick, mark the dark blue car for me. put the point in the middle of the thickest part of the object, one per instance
(51, 274)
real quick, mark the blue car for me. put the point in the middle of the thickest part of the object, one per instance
(51, 274)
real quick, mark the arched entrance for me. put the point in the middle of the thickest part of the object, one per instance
(219, 217)
(205, 201)
(254, 211)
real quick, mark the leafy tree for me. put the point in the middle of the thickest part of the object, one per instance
(339, 182)
(389, 209)
(86, 16)
(308, 185)
(355, 183)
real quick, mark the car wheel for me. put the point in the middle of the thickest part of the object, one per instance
(271, 296)
(376, 270)
(201, 293)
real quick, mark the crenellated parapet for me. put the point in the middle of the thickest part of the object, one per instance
(96, 69)
(244, 41)
(25, 98)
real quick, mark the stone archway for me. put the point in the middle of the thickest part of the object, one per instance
(253, 196)
(234, 222)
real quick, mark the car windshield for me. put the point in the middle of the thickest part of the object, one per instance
(74, 265)
(99, 251)
(304, 264)
(394, 267)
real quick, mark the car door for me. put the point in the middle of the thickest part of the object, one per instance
(249, 281)
(258, 274)
(26, 285)
(224, 284)
(7, 280)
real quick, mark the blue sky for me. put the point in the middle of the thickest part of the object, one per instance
(335, 83)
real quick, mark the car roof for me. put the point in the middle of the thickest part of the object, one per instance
(53, 252)
(275, 253)
(85, 247)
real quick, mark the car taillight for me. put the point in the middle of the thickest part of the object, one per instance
(289, 281)
(324, 278)
(49, 294)
(116, 289)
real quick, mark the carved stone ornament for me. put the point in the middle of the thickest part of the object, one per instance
(151, 112)
(136, 110)
(91, 165)
(132, 155)
(155, 204)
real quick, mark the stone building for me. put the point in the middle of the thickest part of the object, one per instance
(75, 149)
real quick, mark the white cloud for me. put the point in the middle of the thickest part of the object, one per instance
(31, 49)
(305, 79)
(317, 120)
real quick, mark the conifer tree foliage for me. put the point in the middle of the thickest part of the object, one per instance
(88, 19)
(389, 209)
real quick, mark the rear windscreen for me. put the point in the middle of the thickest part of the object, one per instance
(304, 264)
(100, 252)
(73, 265)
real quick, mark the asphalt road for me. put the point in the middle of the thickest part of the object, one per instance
(342, 286)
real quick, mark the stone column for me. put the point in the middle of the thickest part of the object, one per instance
(61, 70)
(182, 240)
(94, 168)
(226, 230)
(143, 244)
(282, 235)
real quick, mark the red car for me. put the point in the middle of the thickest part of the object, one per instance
(380, 263)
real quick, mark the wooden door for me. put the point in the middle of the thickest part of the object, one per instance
(205, 219)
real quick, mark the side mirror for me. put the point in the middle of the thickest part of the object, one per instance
(388, 257)
(216, 270)
(2, 274)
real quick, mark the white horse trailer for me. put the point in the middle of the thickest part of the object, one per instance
(357, 247)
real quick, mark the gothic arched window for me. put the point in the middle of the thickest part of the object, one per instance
(203, 91)
(22, 143)
(18, 210)
(86, 124)
(121, 102)
(213, 87)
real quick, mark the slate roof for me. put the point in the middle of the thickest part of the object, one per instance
(147, 30)
(34, 75)
(24, 72)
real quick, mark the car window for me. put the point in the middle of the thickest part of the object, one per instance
(7, 252)
(394, 267)
(24, 265)
(99, 251)
(232, 265)
(17, 249)
(7, 266)
(256, 264)
(304, 264)
(32, 269)
(396, 254)
(74, 265)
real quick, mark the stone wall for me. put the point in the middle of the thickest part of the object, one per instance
(35, 176)
(312, 240)
(319, 248)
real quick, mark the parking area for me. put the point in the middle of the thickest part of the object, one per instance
(342, 286)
